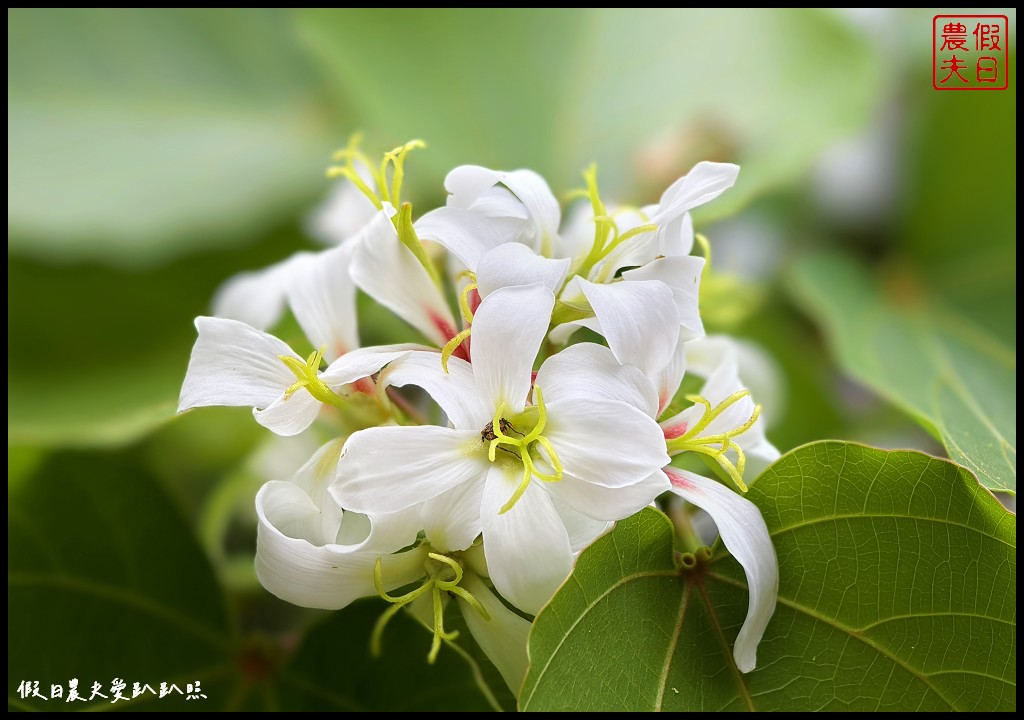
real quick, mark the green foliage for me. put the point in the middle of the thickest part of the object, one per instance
(953, 377)
(897, 592)
(106, 581)
(492, 87)
(136, 135)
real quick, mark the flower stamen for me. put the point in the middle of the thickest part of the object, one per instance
(693, 441)
(307, 375)
(434, 583)
(496, 434)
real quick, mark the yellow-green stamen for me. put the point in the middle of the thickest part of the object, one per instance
(307, 375)
(692, 441)
(436, 567)
(467, 313)
(607, 237)
(521, 446)
(451, 346)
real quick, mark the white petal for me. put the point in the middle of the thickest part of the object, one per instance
(387, 469)
(389, 273)
(313, 479)
(508, 329)
(467, 184)
(289, 414)
(745, 535)
(577, 232)
(455, 391)
(467, 234)
(451, 521)
(605, 442)
(582, 529)
(515, 264)
(390, 532)
(757, 370)
(541, 204)
(590, 371)
(638, 319)
(344, 212)
(705, 182)
(503, 637)
(675, 239)
(322, 296)
(608, 504)
(527, 548)
(291, 510)
(472, 187)
(668, 379)
(682, 276)
(364, 362)
(561, 333)
(320, 576)
(234, 364)
(256, 298)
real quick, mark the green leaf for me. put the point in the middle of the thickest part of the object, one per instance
(554, 89)
(897, 592)
(332, 672)
(136, 135)
(104, 581)
(960, 234)
(948, 373)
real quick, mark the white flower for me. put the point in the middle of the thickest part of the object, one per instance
(724, 423)
(593, 454)
(237, 365)
(311, 552)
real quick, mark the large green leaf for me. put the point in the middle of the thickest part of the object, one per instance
(106, 581)
(897, 592)
(645, 93)
(134, 135)
(951, 375)
(960, 215)
(331, 670)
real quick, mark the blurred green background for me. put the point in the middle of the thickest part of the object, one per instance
(869, 248)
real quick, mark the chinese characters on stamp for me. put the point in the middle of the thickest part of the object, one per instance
(970, 52)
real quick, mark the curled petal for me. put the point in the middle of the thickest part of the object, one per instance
(467, 234)
(682, 276)
(745, 535)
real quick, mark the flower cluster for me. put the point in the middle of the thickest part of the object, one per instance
(543, 406)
